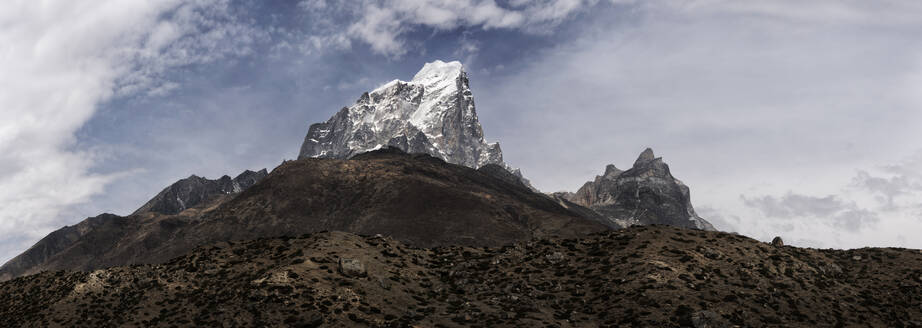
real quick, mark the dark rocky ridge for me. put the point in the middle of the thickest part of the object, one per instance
(195, 190)
(418, 199)
(644, 276)
(647, 193)
(101, 241)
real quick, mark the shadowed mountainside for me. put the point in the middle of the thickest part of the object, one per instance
(417, 199)
(643, 276)
(103, 241)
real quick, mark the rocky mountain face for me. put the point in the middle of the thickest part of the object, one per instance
(194, 190)
(418, 199)
(109, 239)
(643, 276)
(647, 193)
(431, 114)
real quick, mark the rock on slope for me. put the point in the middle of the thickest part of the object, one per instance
(432, 114)
(645, 276)
(647, 193)
(416, 198)
(101, 241)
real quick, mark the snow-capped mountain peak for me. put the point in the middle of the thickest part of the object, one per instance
(438, 73)
(433, 113)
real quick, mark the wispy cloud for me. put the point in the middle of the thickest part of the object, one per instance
(879, 203)
(828, 209)
(60, 61)
(383, 24)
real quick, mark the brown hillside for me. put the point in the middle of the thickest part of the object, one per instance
(416, 199)
(652, 276)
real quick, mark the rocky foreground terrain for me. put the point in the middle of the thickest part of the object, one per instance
(648, 276)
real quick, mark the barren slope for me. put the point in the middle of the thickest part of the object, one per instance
(417, 199)
(650, 276)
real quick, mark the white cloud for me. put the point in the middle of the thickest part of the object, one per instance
(61, 60)
(831, 210)
(382, 24)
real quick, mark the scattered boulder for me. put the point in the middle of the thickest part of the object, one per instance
(777, 242)
(710, 253)
(661, 265)
(351, 267)
(831, 270)
(708, 319)
(555, 257)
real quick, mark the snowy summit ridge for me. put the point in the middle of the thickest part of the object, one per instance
(433, 113)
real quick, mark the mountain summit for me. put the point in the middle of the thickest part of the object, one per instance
(647, 193)
(432, 114)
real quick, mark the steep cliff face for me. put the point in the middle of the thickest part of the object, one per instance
(432, 114)
(647, 193)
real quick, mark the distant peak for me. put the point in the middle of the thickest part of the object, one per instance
(645, 157)
(611, 170)
(247, 174)
(438, 70)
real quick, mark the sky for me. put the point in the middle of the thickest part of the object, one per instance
(785, 118)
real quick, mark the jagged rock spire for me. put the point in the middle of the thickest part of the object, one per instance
(645, 194)
(645, 157)
(611, 170)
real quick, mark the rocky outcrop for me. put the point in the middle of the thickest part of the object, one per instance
(647, 193)
(194, 190)
(432, 114)
(777, 241)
